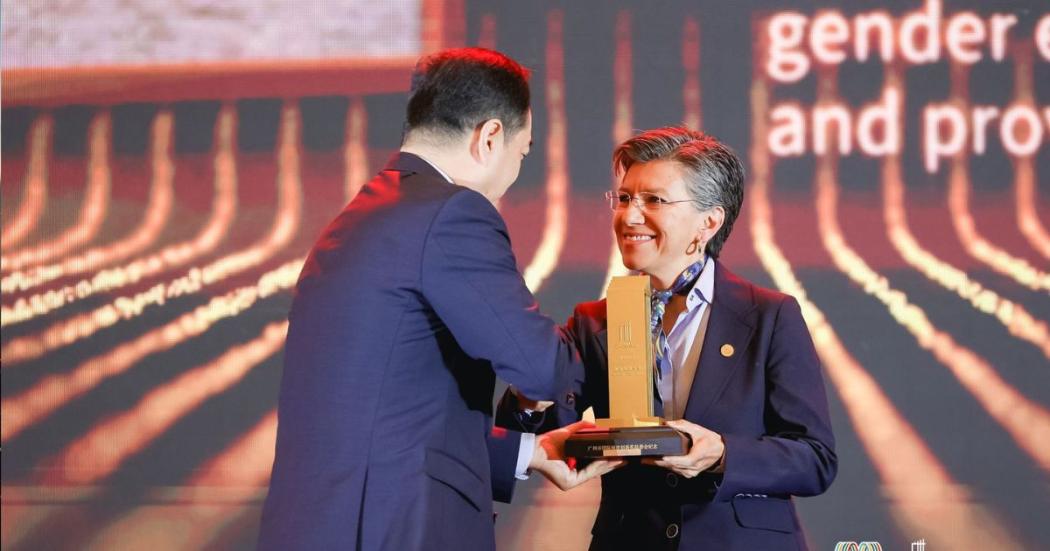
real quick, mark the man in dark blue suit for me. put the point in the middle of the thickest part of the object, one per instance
(738, 371)
(408, 307)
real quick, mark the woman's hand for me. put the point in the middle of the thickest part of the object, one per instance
(706, 452)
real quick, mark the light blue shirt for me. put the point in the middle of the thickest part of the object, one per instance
(683, 333)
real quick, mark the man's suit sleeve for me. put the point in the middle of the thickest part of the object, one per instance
(570, 403)
(471, 280)
(797, 455)
(503, 458)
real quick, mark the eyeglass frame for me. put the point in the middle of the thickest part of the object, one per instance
(615, 204)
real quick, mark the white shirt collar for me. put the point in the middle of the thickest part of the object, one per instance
(437, 168)
(704, 288)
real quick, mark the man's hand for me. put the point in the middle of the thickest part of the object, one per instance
(526, 403)
(549, 459)
(706, 452)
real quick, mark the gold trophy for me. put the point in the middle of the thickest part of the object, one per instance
(632, 429)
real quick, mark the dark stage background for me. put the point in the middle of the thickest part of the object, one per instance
(166, 169)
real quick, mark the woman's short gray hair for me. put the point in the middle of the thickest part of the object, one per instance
(714, 174)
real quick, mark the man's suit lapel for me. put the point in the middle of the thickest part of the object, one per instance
(732, 323)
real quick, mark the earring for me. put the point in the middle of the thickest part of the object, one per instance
(693, 247)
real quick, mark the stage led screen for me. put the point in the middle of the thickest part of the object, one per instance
(167, 166)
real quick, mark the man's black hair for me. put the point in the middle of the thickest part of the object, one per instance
(454, 91)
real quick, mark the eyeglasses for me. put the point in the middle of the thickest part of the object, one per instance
(647, 202)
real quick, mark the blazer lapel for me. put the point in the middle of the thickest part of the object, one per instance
(732, 323)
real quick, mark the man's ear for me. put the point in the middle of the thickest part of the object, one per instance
(487, 139)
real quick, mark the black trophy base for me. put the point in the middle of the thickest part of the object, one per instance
(626, 442)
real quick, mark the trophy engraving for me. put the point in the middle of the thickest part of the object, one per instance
(625, 335)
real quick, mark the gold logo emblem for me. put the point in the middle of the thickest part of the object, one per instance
(625, 335)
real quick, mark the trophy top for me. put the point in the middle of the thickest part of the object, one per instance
(630, 284)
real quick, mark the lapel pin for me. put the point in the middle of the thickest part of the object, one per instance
(727, 350)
